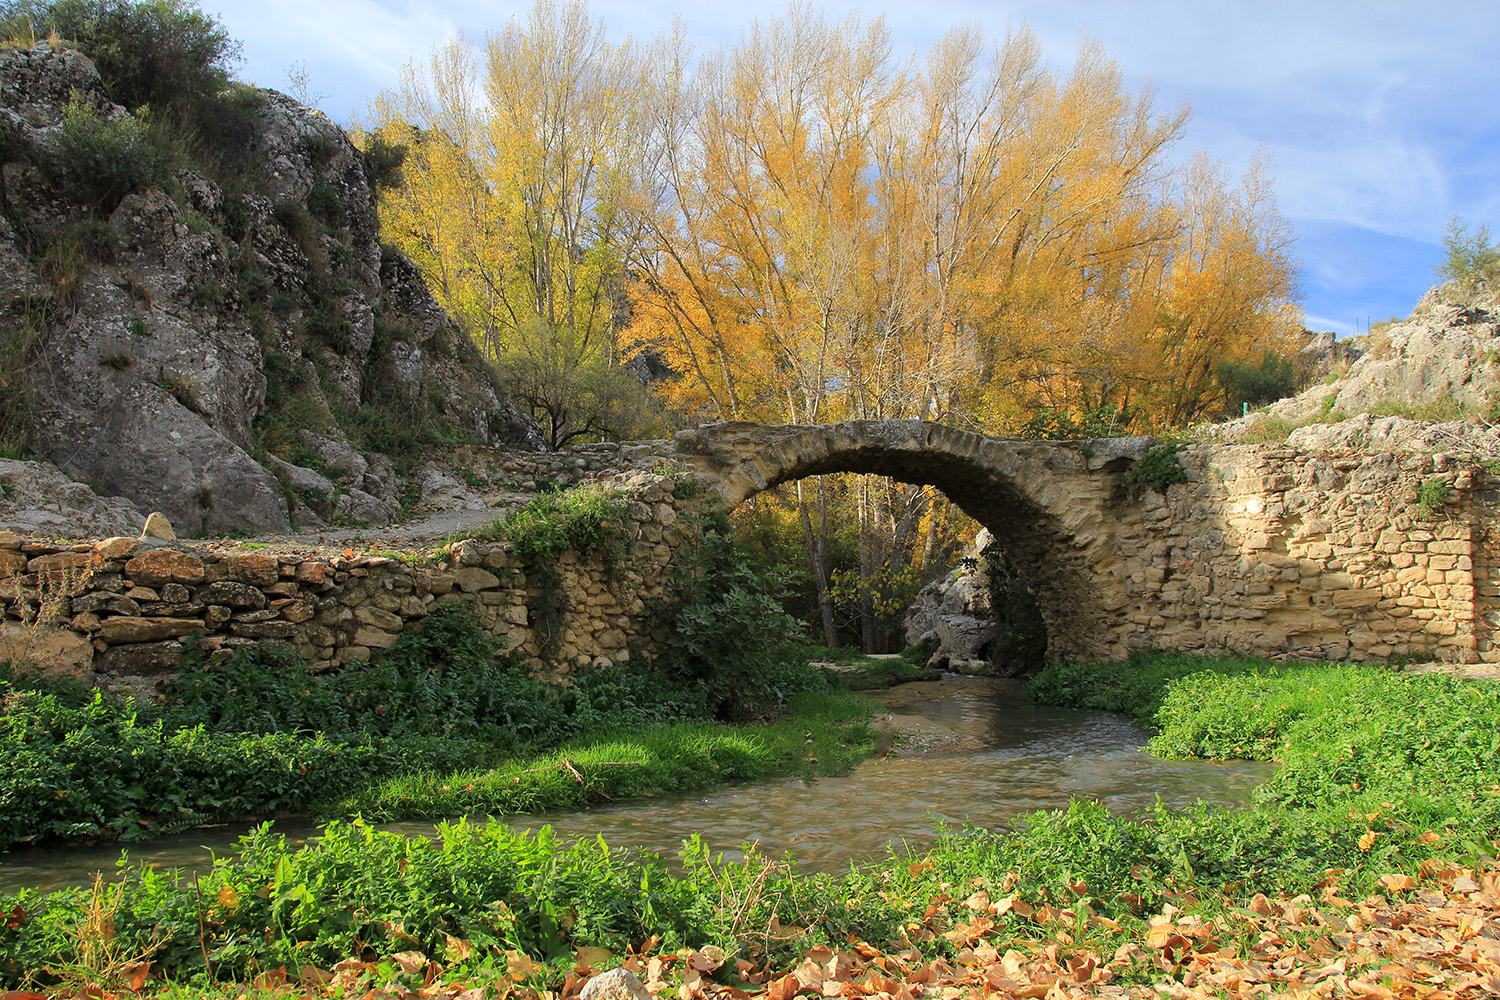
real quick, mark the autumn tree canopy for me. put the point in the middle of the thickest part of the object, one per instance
(808, 226)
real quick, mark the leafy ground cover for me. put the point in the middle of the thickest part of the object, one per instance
(441, 724)
(1365, 868)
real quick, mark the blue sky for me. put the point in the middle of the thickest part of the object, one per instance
(1380, 117)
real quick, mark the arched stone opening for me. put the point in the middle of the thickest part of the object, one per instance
(1047, 503)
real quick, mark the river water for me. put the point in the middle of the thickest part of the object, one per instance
(976, 752)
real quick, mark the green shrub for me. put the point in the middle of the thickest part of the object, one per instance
(725, 624)
(162, 53)
(1471, 257)
(383, 163)
(1135, 686)
(324, 203)
(1432, 495)
(589, 520)
(1157, 469)
(1273, 377)
(97, 163)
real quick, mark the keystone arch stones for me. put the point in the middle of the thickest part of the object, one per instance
(1048, 503)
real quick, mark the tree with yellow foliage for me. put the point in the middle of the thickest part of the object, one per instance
(807, 228)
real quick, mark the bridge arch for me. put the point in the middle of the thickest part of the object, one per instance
(1049, 504)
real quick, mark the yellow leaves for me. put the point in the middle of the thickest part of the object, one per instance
(1398, 883)
(1367, 840)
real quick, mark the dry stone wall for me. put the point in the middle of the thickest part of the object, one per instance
(1272, 549)
(1316, 554)
(120, 608)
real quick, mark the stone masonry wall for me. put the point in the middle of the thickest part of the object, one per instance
(1320, 554)
(122, 605)
(1279, 550)
(1271, 549)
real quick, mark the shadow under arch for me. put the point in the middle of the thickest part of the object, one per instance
(1049, 504)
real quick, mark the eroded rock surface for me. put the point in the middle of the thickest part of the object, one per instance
(186, 319)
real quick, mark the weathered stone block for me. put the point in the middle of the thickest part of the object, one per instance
(264, 630)
(161, 566)
(472, 579)
(383, 620)
(126, 629)
(374, 638)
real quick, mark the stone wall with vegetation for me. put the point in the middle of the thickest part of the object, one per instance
(118, 610)
(1378, 546)
(1341, 554)
(1329, 554)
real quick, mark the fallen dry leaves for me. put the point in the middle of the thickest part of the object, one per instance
(1431, 937)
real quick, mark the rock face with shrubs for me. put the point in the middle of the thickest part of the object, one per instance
(197, 312)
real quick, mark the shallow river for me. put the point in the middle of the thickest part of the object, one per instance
(980, 755)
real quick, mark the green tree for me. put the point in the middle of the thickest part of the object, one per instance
(1471, 257)
(570, 392)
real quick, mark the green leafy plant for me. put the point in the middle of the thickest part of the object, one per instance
(97, 162)
(324, 203)
(1157, 469)
(163, 53)
(719, 597)
(589, 520)
(1472, 257)
(1432, 495)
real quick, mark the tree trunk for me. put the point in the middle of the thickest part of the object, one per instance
(815, 554)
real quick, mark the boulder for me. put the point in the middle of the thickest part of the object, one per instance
(51, 650)
(441, 490)
(616, 984)
(39, 498)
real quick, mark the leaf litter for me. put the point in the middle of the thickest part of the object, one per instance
(1430, 936)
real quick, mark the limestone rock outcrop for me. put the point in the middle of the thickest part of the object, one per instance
(1442, 361)
(38, 498)
(185, 332)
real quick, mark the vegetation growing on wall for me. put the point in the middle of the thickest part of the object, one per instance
(1157, 469)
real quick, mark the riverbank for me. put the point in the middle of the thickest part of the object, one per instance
(1396, 884)
(441, 717)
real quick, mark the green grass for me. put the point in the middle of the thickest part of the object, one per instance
(1408, 764)
(1135, 687)
(1379, 772)
(860, 672)
(819, 734)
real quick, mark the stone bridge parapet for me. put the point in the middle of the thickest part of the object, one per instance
(1269, 549)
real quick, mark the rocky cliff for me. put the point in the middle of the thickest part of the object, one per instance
(230, 343)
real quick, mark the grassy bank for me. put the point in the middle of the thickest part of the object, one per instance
(441, 726)
(1382, 775)
(819, 733)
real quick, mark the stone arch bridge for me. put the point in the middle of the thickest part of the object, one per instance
(1265, 549)
(1271, 549)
